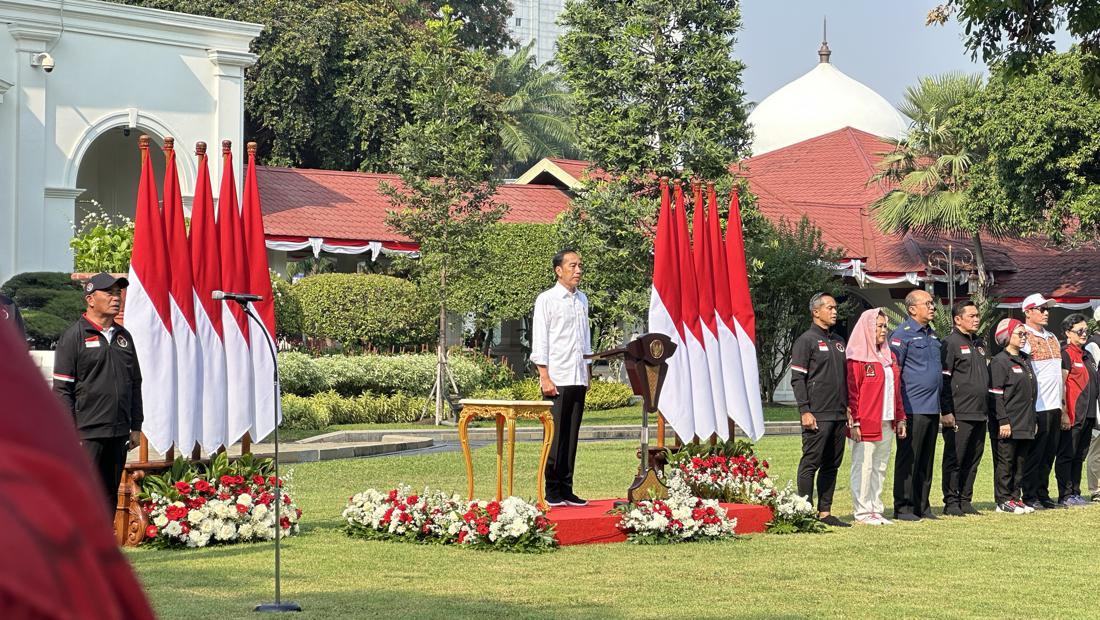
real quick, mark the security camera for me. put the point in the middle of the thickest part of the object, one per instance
(43, 60)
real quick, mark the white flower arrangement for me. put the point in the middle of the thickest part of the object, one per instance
(680, 518)
(439, 517)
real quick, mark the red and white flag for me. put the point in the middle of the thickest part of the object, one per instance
(149, 314)
(665, 318)
(704, 277)
(206, 272)
(236, 331)
(733, 373)
(744, 320)
(182, 293)
(701, 395)
(259, 283)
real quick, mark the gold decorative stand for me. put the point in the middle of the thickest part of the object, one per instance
(505, 412)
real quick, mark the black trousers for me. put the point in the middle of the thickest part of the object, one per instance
(1041, 459)
(962, 453)
(108, 459)
(822, 454)
(567, 410)
(1009, 460)
(913, 465)
(1072, 449)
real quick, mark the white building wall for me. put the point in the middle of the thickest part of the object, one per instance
(537, 20)
(117, 66)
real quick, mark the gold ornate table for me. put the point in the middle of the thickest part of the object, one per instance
(505, 412)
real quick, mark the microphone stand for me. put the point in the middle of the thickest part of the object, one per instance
(279, 605)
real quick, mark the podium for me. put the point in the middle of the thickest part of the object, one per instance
(646, 362)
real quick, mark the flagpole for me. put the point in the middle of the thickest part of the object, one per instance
(279, 605)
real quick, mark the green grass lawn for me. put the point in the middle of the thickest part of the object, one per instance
(992, 566)
(622, 415)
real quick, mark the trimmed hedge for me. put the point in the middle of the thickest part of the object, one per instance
(365, 309)
(288, 310)
(321, 410)
(49, 302)
(601, 394)
(411, 373)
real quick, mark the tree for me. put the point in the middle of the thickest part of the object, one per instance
(1018, 34)
(656, 91)
(786, 268)
(332, 78)
(444, 156)
(656, 88)
(1037, 166)
(536, 113)
(929, 165)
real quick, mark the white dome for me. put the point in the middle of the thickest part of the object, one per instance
(817, 103)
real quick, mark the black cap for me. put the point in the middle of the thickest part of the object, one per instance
(103, 281)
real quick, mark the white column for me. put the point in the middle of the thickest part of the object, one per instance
(228, 110)
(58, 212)
(26, 238)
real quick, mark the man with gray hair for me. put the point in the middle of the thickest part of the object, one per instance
(918, 351)
(820, 382)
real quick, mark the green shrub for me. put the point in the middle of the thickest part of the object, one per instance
(53, 280)
(347, 374)
(397, 408)
(365, 309)
(338, 410)
(494, 373)
(299, 374)
(65, 305)
(607, 395)
(528, 389)
(43, 329)
(103, 243)
(303, 414)
(288, 310)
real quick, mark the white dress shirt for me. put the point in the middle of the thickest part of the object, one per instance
(560, 336)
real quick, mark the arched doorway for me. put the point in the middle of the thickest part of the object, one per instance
(109, 173)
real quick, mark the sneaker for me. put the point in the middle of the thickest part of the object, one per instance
(571, 499)
(869, 520)
(969, 509)
(1096, 497)
(833, 521)
(1077, 500)
(1051, 504)
(555, 502)
(905, 516)
(1035, 505)
(1027, 508)
(954, 510)
(881, 519)
(1010, 507)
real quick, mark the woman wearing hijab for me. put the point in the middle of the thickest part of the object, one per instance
(1013, 386)
(874, 399)
(1078, 412)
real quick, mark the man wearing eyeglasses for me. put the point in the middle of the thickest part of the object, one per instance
(97, 377)
(918, 351)
(1045, 353)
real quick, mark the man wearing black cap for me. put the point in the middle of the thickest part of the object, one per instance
(97, 377)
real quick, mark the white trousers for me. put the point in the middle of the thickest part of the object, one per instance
(869, 461)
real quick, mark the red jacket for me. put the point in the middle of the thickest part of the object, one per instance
(866, 384)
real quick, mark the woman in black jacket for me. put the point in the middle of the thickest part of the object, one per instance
(1013, 423)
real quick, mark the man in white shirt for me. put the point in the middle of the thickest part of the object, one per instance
(560, 338)
(1046, 360)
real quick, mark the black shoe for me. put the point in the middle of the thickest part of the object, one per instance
(555, 502)
(1036, 504)
(969, 509)
(905, 516)
(1050, 504)
(954, 510)
(571, 499)
(929, 515)
(833, 521)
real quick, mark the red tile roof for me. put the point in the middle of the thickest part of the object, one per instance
(349, 205)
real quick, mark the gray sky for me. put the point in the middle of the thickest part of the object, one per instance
(882, 43)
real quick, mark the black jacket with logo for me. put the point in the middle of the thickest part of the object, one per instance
(9, 313)
(1013, 386)
(965, 391)
(99, 381)
(819, 374)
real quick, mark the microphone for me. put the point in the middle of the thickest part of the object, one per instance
(241, 298)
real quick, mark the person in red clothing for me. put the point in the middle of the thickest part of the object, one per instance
(1078, 410)
(874, 399)
(60, 559)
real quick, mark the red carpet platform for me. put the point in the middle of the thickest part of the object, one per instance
(583, 525)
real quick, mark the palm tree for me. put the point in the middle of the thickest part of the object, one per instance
(537, 110)
(929, 165)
